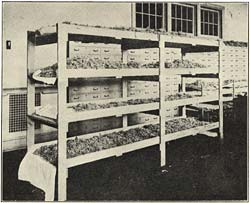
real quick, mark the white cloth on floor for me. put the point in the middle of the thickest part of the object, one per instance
(39, 173)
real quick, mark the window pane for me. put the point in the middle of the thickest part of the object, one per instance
(145, 8)
(206, 29)
(138, 7)
(190, 27)
(210, 17)
(178, 11)
(152, 22)
(159, 9)
(138, 20)
(178, 25)
(152, 8)
(216, 18)
(216, 30)
(211, 27)
(202, 16)
(145, 21)
(206, 16)
(159, 22)
(202, 28)
(190, 13)
(184, 26)
(184, 12)
(174, 25)
(174, 10)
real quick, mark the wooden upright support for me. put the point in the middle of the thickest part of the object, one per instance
(183, 89)
(62, 101)
(220, 94)
(124, 95)
(162, 101)
(30, 89)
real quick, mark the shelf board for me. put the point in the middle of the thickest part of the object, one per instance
(44, 120)
(190, 71)
(109, 32)
(188, 40)
(225, 99)
(100, 133)
(73, 115)
(118, 73)
(189, 132)
(116, 151)
(208, 106)
(189, 101)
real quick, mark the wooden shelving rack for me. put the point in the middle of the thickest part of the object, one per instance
(65, 115)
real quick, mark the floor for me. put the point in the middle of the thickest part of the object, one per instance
(198, 168)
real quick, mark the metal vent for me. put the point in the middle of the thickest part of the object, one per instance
(18, 111)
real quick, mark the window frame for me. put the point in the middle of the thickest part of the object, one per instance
(219, 12)
(155, 15)
(194, 23)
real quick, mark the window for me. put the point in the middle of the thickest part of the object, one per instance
(209, 22)
(149, 15)
(182, 18)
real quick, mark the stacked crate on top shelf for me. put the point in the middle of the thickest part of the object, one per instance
(142, 56)
(234, 65)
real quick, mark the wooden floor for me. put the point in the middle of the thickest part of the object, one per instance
(196, 170)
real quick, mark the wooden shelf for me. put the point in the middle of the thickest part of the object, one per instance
(188, 132)
(189, 101)
(190, 71)
(116, 151)
(44, 120)
(118, 73)
(73, 115)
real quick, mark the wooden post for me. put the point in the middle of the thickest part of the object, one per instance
(124, 95)
(30, 88)
(220, 94)
(62, 100)
(183, 89)
(162, 101)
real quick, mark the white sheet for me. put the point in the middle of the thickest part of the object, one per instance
(39, 173)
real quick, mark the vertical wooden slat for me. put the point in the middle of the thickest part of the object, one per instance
(162, 101)
(124, 95)
(183, 89)
(220, 93)
(30, 88)
(62, 100)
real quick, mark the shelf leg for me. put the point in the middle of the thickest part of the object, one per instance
(221, 134)
(162, 110)
(62, 122)
(163, 154)
(30, 89)
(124, 95)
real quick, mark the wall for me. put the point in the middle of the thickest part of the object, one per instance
(20, 17)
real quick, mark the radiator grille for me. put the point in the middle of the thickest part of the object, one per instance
(18, 112)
